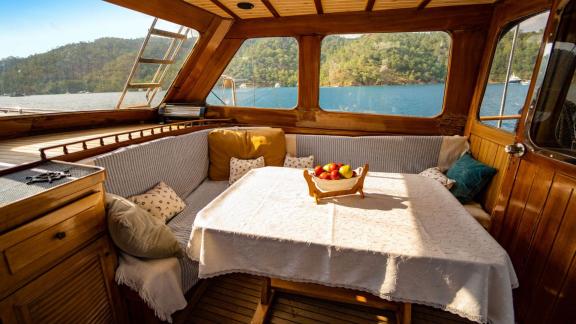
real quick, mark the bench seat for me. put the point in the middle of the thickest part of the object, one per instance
(181, 225)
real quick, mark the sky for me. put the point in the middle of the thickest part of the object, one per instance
(36, 26)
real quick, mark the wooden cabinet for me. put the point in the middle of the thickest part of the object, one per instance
(78, 290)
(59, 265)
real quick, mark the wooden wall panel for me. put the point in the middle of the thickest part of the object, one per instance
(538, 233)
(491, 153)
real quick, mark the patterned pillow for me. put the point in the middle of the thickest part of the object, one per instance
(161, 201)
(436, 174)
(306, 162)
(239, 167)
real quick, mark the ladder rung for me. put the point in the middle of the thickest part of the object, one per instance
(143, 85)
(168, 34)
(154, 61)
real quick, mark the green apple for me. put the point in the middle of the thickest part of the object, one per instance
(346, 171)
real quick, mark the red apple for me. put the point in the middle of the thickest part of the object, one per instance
(318, 170)
(324, 176)
(333, 167)
(340, 164)
(335, 175)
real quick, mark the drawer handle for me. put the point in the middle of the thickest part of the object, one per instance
(60, 235)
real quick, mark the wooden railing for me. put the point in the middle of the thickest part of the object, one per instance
(503, 117)
(73, 151)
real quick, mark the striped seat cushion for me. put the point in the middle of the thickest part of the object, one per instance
(181, 162)
(181, 225)
(402, 154)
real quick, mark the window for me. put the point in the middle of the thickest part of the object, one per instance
(263, 73)
(392, 74)
(511, 72)
(553, 125)
(77, 55)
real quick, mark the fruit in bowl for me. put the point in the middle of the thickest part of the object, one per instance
(334, 177)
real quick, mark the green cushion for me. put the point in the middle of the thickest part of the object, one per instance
(136, 232)
(471, 177)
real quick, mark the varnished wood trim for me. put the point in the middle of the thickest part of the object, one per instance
(309, 71)
(396, 20)
(183, 89)
(369, 5)
(423, 4)
(226, 9)
(17, 126)
(176, 11)
(270, 8)
(319, 9)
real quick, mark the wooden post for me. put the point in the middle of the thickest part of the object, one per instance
(263, 307)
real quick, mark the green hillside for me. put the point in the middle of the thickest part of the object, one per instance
(99, 66)
(373, 59)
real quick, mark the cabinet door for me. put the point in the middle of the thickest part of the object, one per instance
(79, 290)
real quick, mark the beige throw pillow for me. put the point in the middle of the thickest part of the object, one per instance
(306, 162)
(436, 174)
(138, 233)
(161, 201)
(239, 168)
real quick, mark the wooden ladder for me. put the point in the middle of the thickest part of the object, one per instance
(177, 40)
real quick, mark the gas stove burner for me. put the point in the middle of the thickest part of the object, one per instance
(48, 176)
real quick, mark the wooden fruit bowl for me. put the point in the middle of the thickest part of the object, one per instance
(357, 184)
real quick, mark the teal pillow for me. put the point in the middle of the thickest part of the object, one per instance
(471, 177)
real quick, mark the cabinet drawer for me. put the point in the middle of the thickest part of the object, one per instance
(73, 224)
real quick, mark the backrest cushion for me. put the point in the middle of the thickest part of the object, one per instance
(181, 162)
(403, 154)
(137, 232)
(244, 144)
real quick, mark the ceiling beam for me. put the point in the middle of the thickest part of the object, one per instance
(394, 20)
(271, 8)
(370, 5)
(319, 8)
(176, 11)
(423, 4)
(226, 9)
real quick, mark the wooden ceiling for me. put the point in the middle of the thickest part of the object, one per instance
(285, 8)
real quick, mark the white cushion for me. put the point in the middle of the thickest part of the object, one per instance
(239, 167)
(453, 147)
(479, 214)
(306, 162)
(436, 174)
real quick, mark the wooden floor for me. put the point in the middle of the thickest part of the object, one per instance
(26, 149)
(233, 299)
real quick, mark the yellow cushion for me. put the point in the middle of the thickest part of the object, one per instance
(244, 144)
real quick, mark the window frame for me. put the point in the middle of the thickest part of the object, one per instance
(446, 80)
(295, 107)
(501, 33)
(528, 125)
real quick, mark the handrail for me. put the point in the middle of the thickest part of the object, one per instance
(153, 131)
(503, 117)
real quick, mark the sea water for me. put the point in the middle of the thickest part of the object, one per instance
(404, 100)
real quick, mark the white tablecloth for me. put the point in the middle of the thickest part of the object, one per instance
(409, 240)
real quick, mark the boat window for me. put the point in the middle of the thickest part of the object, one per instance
(511, 72)
(553, 123)
(61, 56)
(385, 73)
(262, 74)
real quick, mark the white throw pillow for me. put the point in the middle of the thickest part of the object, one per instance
(436, 174)
(306, 162)
(161, 201)
(239, 167)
